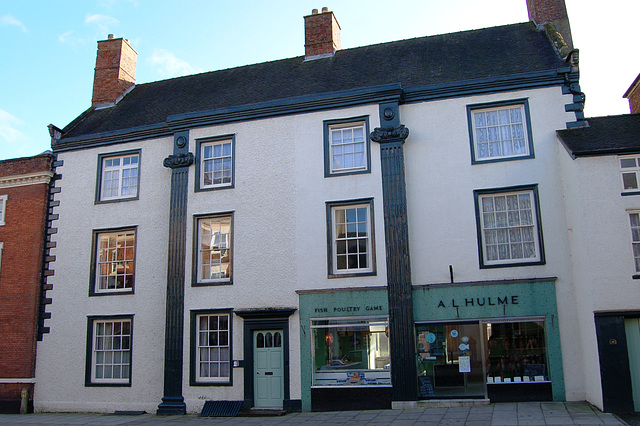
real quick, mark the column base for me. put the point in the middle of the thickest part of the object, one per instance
(172, 406)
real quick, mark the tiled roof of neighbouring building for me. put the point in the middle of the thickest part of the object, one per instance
(617, 134)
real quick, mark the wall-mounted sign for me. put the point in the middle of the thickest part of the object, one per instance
(479, 302)
(347, 309)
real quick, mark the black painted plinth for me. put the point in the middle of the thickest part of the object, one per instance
(352, 398)
(172, 406)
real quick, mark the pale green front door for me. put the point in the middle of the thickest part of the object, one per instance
(268, 380)
(632, 330)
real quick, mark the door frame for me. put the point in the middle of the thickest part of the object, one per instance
(255, 320)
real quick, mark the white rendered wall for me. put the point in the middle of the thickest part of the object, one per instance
(442, 219)
(280, 238)
(280, 230)
(60, 370)
(598, 218)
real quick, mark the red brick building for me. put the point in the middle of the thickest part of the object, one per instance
(24, 193)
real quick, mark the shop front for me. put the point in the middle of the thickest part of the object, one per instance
(497, 340)
(344, 345)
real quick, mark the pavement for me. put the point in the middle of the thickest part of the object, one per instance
(503, 414)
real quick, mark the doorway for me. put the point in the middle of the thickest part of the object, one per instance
(268, 368)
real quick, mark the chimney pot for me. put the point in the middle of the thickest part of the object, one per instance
(321, 34)
(111, 36)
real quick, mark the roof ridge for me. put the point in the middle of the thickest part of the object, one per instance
(338, 53)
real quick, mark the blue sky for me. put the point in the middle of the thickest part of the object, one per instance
(48, 48)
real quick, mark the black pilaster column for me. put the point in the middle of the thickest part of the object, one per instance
(179, 162)
(391, 136)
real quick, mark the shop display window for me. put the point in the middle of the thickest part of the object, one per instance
(351, 352)
(474, 359)
(516, 352)
(450, 360)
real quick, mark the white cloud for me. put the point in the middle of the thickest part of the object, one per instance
(102, 22)
(169, 65)
(66, 37)
(10, 20)
(8, 130)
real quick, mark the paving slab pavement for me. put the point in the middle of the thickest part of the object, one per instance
(499, 414)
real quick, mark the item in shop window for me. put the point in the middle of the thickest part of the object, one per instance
(539, 378)
(517, 379)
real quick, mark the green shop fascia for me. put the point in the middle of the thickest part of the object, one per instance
(496, 340)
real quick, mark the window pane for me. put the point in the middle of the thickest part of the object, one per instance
(509, 231)
(503, 129)
(627, 162)
(350, 352)
(630, 180)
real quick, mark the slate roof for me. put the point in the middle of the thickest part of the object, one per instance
(478, 54)
(616, 134)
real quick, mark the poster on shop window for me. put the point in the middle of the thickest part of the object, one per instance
(464, 364)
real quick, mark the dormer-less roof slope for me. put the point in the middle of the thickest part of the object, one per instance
(616, 134)
(427, 62)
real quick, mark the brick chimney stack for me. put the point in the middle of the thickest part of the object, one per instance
(115, 70)
(322, 34)
(551, 11)
(633, 95)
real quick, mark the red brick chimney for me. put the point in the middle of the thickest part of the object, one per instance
(321, 34)
(551, 11)
(633, 95)
(115, 70)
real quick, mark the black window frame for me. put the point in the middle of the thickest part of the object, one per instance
(199, 159)
(94, 261)
(487, 105)
(193, 346)
(195, 277)
(98, 190)
(330, 205)
(537, 214)
(327, 125)
(88, 379)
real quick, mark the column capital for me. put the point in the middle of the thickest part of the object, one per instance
(386, 135)
(179, 160)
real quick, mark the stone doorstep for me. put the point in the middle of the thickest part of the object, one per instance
(438, 403)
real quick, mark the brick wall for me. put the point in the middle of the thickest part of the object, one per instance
(542, 11)
(322, 34)
(115, 70)
(20, 275)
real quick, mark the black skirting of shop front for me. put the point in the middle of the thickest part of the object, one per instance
(519, 392)
(340, 399)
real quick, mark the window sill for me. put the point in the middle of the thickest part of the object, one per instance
(347, 172)
(108, 385)
(475, 161)
(353, 274)
(110, 293)
(211, 284)
(626, 194)
(117, 200)
(214, 188)
(211, 384)
(509, 265)
(636, 277)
